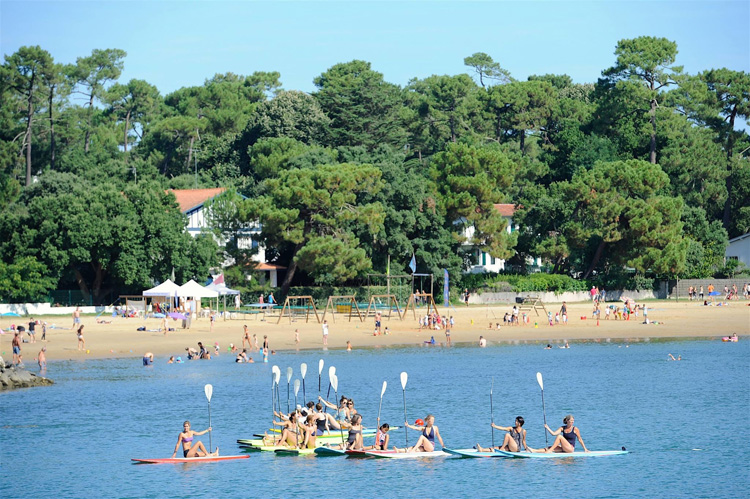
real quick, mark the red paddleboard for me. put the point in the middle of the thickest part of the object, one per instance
(203, 459)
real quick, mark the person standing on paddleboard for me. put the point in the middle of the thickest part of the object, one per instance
(566, 437)
(426, 442)
(190, 449)
(514, 440)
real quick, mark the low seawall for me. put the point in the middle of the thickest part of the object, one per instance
(568, 296)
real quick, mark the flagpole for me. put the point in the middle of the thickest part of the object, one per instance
(388, 274)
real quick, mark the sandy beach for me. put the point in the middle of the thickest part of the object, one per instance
(120, 338)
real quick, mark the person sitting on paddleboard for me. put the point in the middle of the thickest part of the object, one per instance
(342, 410)
(566, 437)
(188, 448)
(426, 442)
(514, 440)
(289, 434)
(354, 442)
(381, 438)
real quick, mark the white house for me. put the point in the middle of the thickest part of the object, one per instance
(482, 261)
(739, 249)
(192, 201)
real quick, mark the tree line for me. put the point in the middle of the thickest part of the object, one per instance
(645, 169)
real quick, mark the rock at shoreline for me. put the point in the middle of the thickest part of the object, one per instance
(12, 377)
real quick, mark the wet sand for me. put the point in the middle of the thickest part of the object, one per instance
(120, 338)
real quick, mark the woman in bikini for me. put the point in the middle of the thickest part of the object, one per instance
(426, 442)
(188, 448)
(290, 431)
(514, 440)
(566, 437)
(354, 442)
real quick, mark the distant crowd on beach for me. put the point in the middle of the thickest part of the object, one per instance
(697, 293)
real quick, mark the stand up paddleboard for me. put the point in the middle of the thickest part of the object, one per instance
(204, 459)
(559, 455)
(472, 453)
(390, 454)
(328, 451)
(294, 452)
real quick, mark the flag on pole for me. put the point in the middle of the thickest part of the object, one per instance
(413, 263)
(219, 279)
(172, 274)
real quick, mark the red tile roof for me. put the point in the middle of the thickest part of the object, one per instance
(506, 210)
(268, 266)
(192, 198)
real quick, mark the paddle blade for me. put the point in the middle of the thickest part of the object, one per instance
(303, 370)
(277, 374)
(296, 387)
(288, 374)
(539, 380)
(335, 383)
(209, 390)
(321, 363)
(404, 379)
(331, 372)
(382, 392)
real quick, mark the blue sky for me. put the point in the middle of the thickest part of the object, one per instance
(178, 43)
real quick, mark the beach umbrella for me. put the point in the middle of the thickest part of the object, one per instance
(13, 314)
(712, 293)
(177, 315)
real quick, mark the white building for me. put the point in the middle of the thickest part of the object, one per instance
(481, 261)
(192, 201)
(739, 249)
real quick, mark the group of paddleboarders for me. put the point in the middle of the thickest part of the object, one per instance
(515, 439)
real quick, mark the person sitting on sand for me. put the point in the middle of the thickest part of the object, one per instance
(188, 448)
(514, 440)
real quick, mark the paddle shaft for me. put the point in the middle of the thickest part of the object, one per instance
(304, 395)
(492, 416)
(544, 413)
(406, 426)
(327, 395)
(210, 444)
(287, 398)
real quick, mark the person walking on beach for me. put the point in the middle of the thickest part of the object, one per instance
(190, 449)
(76, 317)
(81, 341)
(566, 437)
(32, 330)
(466, 296)
(296, 336)
(246, 337)
(564, 313)
(325, 333)
(514, 440)
(164, 325)
(16, 343)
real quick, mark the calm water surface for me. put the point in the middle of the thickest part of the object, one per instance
(685, 422)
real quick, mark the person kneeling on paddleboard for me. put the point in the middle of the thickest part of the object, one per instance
(426, 442)
(566, 437)
(514, 441)
(188, 448)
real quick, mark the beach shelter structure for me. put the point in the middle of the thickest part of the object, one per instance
(195, 290)
(167, 288)
(223, 291)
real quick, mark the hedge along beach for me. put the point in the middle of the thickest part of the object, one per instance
(120, 338)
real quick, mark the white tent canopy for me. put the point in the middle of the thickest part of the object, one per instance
(195, 290)
(167, 288)
(222, 289)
